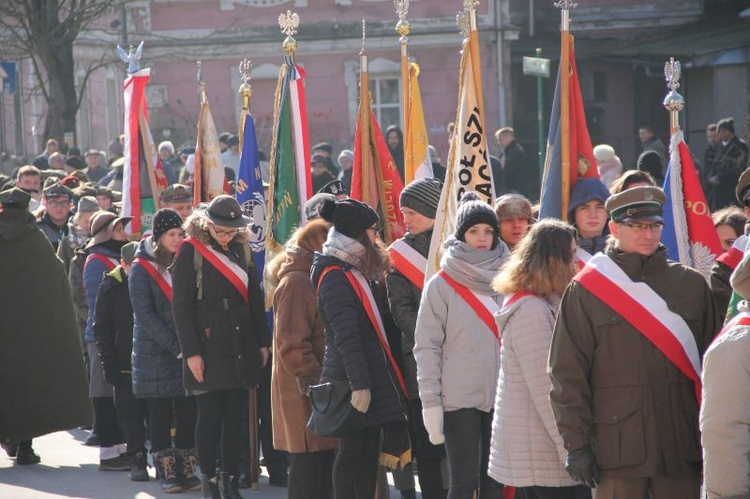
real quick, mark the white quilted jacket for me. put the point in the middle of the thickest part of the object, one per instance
(527, 449)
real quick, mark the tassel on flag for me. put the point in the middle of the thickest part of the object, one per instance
(375, 178)
(468, 166)
(417, 162)
(209, 179)
(143, 175)
(569, 146)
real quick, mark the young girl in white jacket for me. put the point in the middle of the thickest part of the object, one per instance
(527, 450)
(457, 352)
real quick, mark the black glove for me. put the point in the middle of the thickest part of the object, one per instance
(581, 466)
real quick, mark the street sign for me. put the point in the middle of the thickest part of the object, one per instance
(536, 66)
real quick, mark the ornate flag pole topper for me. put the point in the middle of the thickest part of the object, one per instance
(673, 102)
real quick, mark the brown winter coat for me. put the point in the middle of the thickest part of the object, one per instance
(298, 346)
(614, 390)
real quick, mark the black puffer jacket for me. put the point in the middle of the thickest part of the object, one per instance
(721, 288)
(352, 348)
(221, 327)
(404, 298)
(157, 368)
(113, 325)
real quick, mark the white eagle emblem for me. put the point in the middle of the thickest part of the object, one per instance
(702, 258)
(255, 208)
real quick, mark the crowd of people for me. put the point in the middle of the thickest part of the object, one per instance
(544, 359)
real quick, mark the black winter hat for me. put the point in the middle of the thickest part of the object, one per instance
(165, 220)
(349, 216)
(423, 196)
(473, 211)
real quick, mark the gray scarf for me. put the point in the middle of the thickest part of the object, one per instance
(344, 248)
(473, 268)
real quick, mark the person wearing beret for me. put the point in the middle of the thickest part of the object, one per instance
(178, 197)
(357, 350)
(335, 187)
(625, 360)
(108, 236)
(223, 337)
(157, 357)
(53, 220)
(42, 374)
(457, 349)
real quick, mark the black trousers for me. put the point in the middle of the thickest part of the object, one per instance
(106, 425)
(162, 412)
(428, 456)
(310, 475)
(131, 413)
(574, 492)
(467, 443)
(356, 466)
(277, 462)
(219, 420)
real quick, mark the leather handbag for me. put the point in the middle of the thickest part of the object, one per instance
(332, 412)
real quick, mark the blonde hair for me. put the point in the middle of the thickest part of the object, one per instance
(541, 263)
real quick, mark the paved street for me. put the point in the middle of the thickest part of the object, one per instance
(69, 469)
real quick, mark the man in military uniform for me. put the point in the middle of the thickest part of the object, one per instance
(626, 357)
(178, 197)
(57, 206)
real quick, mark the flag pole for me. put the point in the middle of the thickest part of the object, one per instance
(470, 7)
(246, 91)
(565, 6)
(364, 117)
(673, 101)
(403, 28)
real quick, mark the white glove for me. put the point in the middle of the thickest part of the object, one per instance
(361, 399)
(433, 422)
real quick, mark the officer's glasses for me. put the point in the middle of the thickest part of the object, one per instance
(641, 227)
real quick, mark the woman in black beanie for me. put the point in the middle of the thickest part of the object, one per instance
(356, 348)
(457, 349)
(157, 357)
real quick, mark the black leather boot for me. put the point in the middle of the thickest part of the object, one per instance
(228, 486)
(209, 488)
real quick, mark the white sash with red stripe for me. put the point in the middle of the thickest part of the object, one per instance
(646, 311)
(741, 319)
(408, 261)
(108, 262)
(164, 281)
(583, 257)
(733, 256)
(485, 306)
(234, 273)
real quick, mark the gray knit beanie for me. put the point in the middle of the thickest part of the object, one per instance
(422, 195)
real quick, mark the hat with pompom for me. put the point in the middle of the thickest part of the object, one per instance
(473, 211)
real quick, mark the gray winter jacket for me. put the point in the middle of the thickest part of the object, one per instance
(458, 356)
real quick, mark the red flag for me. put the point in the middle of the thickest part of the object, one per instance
(375, 179)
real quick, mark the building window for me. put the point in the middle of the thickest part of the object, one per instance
(600, 86)
(386, 100)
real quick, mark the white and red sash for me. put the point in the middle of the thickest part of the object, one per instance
(364, 293)
(108, 262)
(164, 282)
(741, 319)
(646, 311)
(408, 261)
(484, 306)
(583, 257)
(233, 272)
(733, 256)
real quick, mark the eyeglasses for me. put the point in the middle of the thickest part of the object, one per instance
(225, 233)
(639, 227)
(58, 204)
